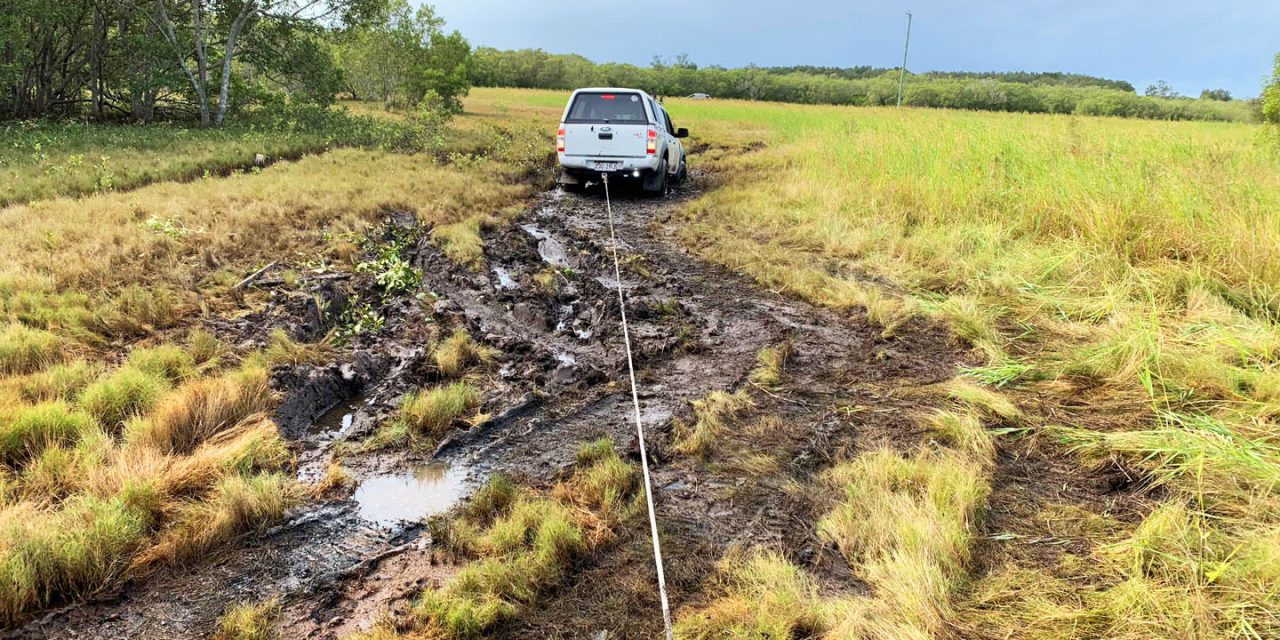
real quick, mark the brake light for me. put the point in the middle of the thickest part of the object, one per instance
(608, 97)
(560, 141)
(652, 149)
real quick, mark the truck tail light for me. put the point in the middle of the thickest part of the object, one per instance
(560, 141)
(652, 149)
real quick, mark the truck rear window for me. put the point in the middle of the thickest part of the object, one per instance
(607, 107)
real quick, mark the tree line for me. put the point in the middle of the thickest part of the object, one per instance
(860, 86)
(206, 60)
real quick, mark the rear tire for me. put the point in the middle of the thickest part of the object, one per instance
(657, 185)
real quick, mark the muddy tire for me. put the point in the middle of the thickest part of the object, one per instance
(683, 174)
(658, 184)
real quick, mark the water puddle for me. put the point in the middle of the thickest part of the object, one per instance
(423, 491)
(505, 280)
(552, 251)
(337, 421)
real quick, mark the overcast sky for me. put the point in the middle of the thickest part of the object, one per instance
(1192, 44)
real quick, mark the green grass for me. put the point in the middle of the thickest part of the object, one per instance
(47, 159)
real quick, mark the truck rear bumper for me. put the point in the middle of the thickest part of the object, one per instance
(584, 165)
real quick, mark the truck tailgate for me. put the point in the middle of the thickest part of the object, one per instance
(605, 140)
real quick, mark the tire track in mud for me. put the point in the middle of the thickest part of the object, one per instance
(559, 382)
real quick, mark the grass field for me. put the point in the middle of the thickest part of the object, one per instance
(1118, 282)
(1131, 263)
(1132, 266)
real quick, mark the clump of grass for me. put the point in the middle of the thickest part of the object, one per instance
(53, 475)
(457, 352)
(235, 505)
(169, 362)
(427, 416)
(766, 597)
(138, 311)
(27, 431)
(982, 399)
(205, 349)
(964, 431)
(710, 420)
(198, 409)
(123, 394)
(336, 481)
(1002, 373)
(62, 381)
(26, 350)
(284, 350)
(771, 364)
(250, 448)
(461, 242)
(51, 556)
(524, 545)
(907, 524)
(249, 621)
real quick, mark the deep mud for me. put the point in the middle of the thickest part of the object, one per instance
(547, 300)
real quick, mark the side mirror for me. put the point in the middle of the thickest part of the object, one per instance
(682, 132)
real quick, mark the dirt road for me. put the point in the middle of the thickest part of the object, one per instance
(560, 381)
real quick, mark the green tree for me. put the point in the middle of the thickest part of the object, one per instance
(404, 55)
(1221, 95)
(1271, 96)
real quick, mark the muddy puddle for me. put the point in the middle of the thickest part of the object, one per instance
(423, 491)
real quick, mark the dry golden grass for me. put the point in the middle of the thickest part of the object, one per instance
(249, 621)
(712, 416)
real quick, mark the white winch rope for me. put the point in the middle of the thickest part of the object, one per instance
(635, 401)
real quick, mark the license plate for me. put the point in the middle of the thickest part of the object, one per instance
(608, 166)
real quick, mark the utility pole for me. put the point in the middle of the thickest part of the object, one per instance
(902, 77)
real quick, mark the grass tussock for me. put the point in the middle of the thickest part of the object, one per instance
(766, 597)
(771, 365)
(523, 544)
(26, 432)
(458, 352)
(906, 524)
(335, 482)
(122, 395)
(199, 409)
(712, 416)
(62, 381)
(284, 350)
(426, 416)
(27, 350)
(234, 505)
(461, 241)
(249, 621)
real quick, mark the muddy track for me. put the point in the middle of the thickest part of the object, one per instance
(559, 381)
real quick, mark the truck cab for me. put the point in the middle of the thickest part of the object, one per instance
(624, 133)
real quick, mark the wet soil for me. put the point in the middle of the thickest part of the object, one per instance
(547, 299)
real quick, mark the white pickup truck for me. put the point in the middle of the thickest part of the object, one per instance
(624, 133)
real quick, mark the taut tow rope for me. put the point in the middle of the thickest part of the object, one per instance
(635, 401)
